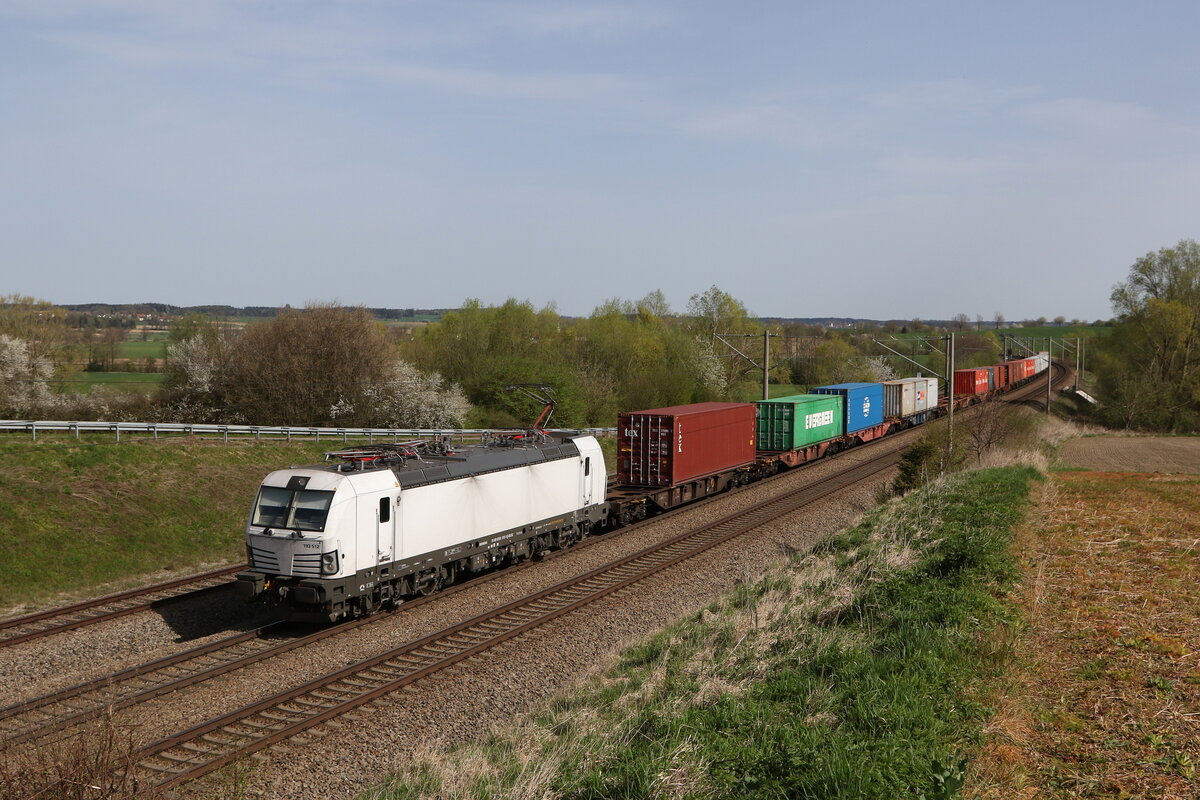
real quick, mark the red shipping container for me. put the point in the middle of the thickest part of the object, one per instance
(663, 447)
(971, 381)
(1001, 372)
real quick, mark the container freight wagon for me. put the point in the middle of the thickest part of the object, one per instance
(1041, 361)
(909, 397)
(664, 447)
(797, 421)
(973, 381)
(1028, 367)
(862, 405)
(670, 456)
(1001, 374)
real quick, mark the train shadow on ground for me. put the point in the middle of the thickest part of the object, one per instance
(217, 612)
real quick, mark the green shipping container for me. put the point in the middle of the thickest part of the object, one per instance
(789, 423)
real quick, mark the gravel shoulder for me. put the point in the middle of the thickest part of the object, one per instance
(1165, 454)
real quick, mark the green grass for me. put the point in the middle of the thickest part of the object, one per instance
(74, 516)
(864, 671)
(1058, 331)
(151, 348)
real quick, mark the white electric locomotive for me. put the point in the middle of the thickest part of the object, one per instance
(380, 522)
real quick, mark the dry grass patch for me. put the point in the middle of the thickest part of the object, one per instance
(1109, 703)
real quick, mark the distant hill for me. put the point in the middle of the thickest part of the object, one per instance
(231, 312)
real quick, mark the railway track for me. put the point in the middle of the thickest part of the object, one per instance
(101, 609)
(191, 754)
(39, 717)
(46, 623)
(177, 759)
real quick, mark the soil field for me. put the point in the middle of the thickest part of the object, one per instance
(1105, 702)
(1167, 454)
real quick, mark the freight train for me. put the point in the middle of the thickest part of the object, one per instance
(378, 523)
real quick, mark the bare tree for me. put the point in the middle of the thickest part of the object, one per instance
(992, 425)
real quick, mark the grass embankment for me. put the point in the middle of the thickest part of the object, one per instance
(1108, 699)
(75, 516)
(862, 670)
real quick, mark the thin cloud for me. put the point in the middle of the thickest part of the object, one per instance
(481, 82)
(596, 20)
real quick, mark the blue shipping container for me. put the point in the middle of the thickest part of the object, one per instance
(862, 403)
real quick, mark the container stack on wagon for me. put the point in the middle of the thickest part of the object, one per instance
(791, 423)
(909, 398)
(977, 380)
(862, 403)
(663, 447)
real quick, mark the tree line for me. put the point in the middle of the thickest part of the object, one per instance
(1149, 368)
(339, 366)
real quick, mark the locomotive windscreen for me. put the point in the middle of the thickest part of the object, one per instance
(298, 510)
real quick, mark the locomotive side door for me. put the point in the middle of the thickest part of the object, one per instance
(588, 482)
(385, 528)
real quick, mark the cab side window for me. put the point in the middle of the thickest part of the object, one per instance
(385, 509)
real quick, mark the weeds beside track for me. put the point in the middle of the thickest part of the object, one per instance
(861, 671)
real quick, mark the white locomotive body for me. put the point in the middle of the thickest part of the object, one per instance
(338, 540)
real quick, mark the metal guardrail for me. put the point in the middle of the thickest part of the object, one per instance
(32, 427)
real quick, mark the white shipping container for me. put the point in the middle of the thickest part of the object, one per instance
(927, 396)
(899, 397)
(905, 397)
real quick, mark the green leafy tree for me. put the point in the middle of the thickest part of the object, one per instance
(1150, 366)
(310, 367)
(716, 313)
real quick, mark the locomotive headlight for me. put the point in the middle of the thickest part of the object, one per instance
(329, 563)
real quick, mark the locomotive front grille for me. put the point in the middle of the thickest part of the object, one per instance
(307, 564)
(264, 559)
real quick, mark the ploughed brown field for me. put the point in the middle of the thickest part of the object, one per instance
(1134, 453)
(1105, 699)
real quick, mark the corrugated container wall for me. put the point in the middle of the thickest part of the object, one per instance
(927, 397)
(1000, 371)
(789, 423)
(863, 403)
(971, 381)
(907, 396)
(667, 446)
(900, 398)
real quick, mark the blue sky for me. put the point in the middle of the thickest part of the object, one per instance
(873, 159)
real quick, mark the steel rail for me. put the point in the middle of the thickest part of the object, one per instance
(106, 693)
(149, 687)
(1030, 389)
(89, 612)
(188, 755)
